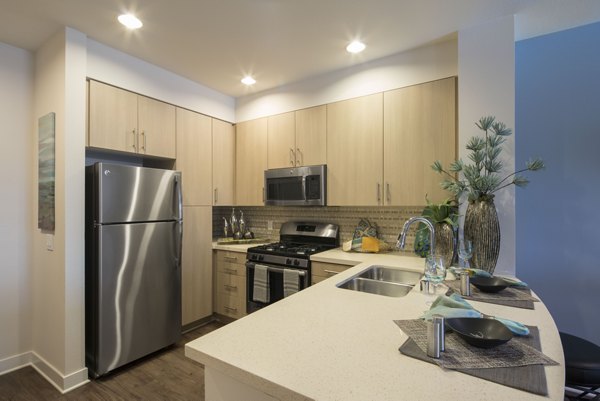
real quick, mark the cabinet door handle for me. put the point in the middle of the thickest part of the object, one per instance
(134, 140)
(292, 156)
(143, 135)
(263, 192)
(216, 196)
(300, 160)
(330, 271)
(388, 194)
(378, 192)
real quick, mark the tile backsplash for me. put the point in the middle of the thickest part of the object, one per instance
(389, 220)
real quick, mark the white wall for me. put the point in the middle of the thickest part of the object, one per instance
(58, 275)
(486, 86)
(120, 69)
(16, 106)
(412, 67)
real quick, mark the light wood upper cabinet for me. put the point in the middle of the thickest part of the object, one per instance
(112, 118)
(311, 136)
(419, 128)
(297, 138)
(281, 142)
(355, 151)
(194, 157)
(124, 121)
(251, 162)
(196, 270)
(223, 159)
(156, 125)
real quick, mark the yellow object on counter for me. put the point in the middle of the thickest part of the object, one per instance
(370, 244)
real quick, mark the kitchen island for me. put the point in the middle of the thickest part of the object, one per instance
(327, 343)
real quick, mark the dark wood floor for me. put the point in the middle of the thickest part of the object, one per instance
(166, 375)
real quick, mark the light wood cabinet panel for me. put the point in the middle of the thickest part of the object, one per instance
(156, 123)
(196, 272)
(223, 160)
(311, 136)
(355, 151)
(194, 157)
(322, 271)
(419, 128)
(124, 121)
(281, 140)
(112, 118)
(230, 284)
(251, 162)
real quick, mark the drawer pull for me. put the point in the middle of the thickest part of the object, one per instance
(230, 287)
(330, 271)
(229, 308)
(230, 271)
(232, 258)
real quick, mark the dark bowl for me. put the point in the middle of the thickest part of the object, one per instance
(481, 333)
(489, 284)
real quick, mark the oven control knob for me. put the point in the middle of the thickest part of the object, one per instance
(288, 261)
(253, 257)
(261, 257)
(296, 262)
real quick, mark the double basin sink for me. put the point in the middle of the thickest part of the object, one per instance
(382, 280)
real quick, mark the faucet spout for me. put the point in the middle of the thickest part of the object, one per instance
(402, 236)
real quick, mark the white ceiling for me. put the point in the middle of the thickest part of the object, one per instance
(216, 42)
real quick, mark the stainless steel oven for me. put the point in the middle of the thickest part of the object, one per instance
(296, 186)
(275, 269)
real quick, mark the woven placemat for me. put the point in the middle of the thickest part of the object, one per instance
(511, 296)
(531, 378)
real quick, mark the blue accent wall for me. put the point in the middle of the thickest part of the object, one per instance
(558, 214)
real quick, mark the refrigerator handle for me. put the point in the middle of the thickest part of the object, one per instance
(179, 196)
(178, 243)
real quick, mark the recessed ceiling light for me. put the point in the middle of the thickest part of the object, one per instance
(355, 47)
(130, 21)
(248, 80)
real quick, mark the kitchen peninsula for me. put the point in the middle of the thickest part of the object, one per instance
(327, 343)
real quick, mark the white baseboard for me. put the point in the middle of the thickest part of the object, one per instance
(14, 362)
(61, 382)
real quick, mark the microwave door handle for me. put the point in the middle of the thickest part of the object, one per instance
(304, 189)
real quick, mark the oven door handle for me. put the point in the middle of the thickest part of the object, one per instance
(277, 269)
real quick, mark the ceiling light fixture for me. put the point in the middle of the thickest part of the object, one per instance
(130, 21)
(248, 80)
(355, 47)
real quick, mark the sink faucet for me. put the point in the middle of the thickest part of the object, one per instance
(402, 235)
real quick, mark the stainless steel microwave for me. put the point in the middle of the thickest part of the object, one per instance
(296, 186)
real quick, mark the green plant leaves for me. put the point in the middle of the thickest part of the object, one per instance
(481, 178)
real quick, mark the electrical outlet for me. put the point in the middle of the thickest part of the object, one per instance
(49, 242)
(269, 225)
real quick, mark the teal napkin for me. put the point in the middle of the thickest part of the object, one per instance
(514, 282)
(455, 306)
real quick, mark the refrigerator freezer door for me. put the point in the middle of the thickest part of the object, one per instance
(134, 194)
(139, 291)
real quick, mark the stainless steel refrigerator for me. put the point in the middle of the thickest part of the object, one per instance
(133, 240)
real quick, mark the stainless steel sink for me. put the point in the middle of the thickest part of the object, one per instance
(390, 274)
(382, 280)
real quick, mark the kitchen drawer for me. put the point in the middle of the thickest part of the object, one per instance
(328, 269)
(231, 262)
(322, 271)
(230, 305)
(231, 284)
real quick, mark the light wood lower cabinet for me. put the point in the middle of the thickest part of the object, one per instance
(322, 271)
(196, 269)
(230, 283)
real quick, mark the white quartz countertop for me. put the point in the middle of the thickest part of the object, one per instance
(327, 343)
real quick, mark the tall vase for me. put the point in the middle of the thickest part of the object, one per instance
(483, 230)
(445, 242)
